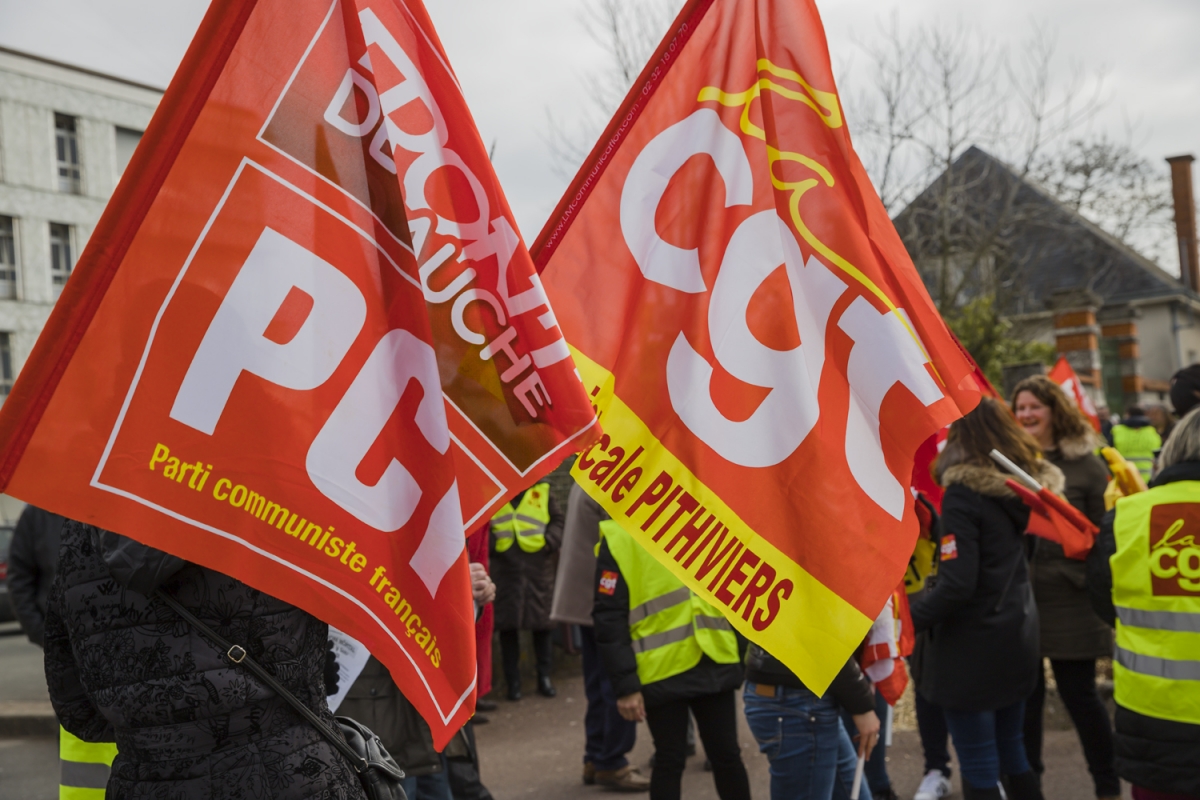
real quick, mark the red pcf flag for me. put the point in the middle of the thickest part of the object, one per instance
(763, 353)
(305, 344)
(1064, 375)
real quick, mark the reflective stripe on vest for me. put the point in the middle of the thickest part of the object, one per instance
(670, 628)
(1138, 446)
(84, 767)
(1156, 592)
(526, 524)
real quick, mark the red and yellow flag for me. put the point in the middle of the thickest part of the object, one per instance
(764, 356)
(305, 344)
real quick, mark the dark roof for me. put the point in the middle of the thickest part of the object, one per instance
(1041, 247)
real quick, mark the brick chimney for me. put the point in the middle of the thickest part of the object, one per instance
(1185, 220)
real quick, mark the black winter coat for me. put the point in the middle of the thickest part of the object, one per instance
(1069, 628)
(525, 581)
(32, 556)
(188, 724)
(981, 652)
(611, 615)
(1158, 754)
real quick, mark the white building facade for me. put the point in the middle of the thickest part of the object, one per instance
(66, 134)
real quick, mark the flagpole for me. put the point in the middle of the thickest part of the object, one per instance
(856, 789)
(1021, 474)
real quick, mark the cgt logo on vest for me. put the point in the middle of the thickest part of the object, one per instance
(1174, 553)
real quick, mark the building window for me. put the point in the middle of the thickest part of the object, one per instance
(6, 366)
(66, 143)
(61, 261)
(127, 142)
(8, 258)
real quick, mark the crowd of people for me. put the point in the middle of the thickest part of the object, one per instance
(991, 606)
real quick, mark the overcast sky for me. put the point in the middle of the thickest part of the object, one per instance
(519, 59)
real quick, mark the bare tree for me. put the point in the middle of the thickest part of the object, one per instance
(627, 31)
(982, 154)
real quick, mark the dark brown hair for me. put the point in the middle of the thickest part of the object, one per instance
(991, 426)
(1066, 420)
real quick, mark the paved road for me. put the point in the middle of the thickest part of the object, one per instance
(21, 665)
(530, 749)
(533, 749)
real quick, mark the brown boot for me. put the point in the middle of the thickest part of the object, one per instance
(625, 779)
(589, 773)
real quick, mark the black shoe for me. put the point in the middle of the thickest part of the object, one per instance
(1025, 786)
(485, 705)
(514, 693)
(545, 688)
(981, 794)
(480, 719)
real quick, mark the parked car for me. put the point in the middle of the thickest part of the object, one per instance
(6, 611)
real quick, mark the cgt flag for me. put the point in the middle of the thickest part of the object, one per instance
(763, 353)
(305, 345)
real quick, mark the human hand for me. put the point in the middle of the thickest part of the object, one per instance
(868, 732)
(482, 588)
(632, 707)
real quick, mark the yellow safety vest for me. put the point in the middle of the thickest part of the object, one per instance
(84, 767)
(670, 626)
(1138, 446)
(526, 524)
(922, 565)
(1156, 591)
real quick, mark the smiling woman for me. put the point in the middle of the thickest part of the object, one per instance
(1072, 636)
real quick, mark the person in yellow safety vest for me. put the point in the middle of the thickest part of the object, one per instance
(666, 652)
(1144, 578)
(525, 535)
(1137, 440)
(84, 767)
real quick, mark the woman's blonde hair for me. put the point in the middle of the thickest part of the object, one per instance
(1184, 442)
(1066, 420)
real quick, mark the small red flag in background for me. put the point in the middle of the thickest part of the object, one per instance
(762, 350)
(305, 343)
(1051, 517)
(1064, 375)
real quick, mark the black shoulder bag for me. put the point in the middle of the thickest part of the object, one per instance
(378, 771)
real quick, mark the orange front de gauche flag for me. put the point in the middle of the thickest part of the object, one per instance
(305, 345)
(763, 353)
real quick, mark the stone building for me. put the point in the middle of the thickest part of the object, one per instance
(1125, 323)
(66, 134)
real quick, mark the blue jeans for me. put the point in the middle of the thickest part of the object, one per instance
(429, 787)
(989, 743)
(810, 753)
(609, 735)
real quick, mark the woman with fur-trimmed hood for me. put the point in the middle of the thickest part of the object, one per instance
(1072, 636)
(981, 660)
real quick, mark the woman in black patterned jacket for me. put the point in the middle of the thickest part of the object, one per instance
(122, 666)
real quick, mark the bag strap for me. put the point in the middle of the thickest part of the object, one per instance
(238, 656)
